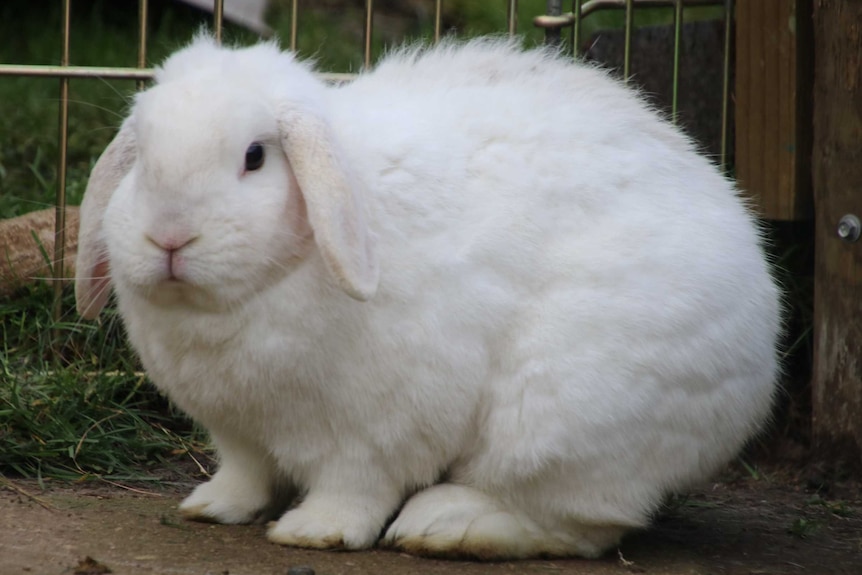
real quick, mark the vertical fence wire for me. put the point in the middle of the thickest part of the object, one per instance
(218, 18)
(142, 39)
(725, 83)
(576, 27)
(677, 45)
(60, 200)
(438, 19)
(512, 17)
(627, 50)
(369, 30)
(553, 33)
(294, 13)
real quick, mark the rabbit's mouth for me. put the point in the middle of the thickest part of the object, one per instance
(172, 253)
(166, 278)
(179, 280)
(176, 267)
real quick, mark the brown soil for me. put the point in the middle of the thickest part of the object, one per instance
(777, 524)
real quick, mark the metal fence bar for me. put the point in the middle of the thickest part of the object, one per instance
(369, 30)
(38, 71)
(142, 39)
(595, 5)
(76, 72)
(218, 19)
(578, 15)
(60, 207)
(725, 83)
(677, 42)
(512, 17)
(627, 54)
(438, 19)
(555, 22)
(294, 13)
(590, 6)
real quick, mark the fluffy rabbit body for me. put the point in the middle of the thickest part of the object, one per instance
(487, 284)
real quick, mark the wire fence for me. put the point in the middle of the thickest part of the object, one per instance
(554, 22)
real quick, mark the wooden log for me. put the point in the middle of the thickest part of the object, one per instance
(837, 162)
(773, 106)
(22, 261)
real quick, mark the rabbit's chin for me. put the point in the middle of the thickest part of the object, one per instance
(179, 294)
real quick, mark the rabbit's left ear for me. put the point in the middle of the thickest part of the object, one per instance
(92, 269)
(335, 201)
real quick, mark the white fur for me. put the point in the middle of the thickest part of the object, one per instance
(569, 314)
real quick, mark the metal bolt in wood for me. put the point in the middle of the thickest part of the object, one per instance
(849, 228)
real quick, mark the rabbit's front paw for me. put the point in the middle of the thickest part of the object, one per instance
(225, 499)
(328, 524)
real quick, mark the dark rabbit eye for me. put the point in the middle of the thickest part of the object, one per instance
(254, 157)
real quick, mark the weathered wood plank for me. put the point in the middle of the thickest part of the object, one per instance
(837, 167)
(772, 119)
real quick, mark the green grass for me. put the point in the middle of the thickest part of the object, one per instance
(73, 403)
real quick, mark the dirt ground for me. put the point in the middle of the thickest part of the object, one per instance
(777, 524)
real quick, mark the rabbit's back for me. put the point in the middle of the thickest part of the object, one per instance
(570, 179)
(612, 278)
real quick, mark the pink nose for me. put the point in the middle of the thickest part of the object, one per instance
(171, 244)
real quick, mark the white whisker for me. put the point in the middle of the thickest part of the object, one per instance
(97, 107)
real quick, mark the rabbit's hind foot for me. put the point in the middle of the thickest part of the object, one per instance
(457, 521)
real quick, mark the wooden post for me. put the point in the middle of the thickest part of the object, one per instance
(837, 163)
(772, 102)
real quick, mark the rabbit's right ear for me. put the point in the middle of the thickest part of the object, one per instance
(335, 201)
(92, 274)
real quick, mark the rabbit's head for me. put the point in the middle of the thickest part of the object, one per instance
(223, 179)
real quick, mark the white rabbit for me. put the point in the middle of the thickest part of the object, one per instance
(488, 284)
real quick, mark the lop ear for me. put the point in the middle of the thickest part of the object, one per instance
(335, 201)
(92, 269)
